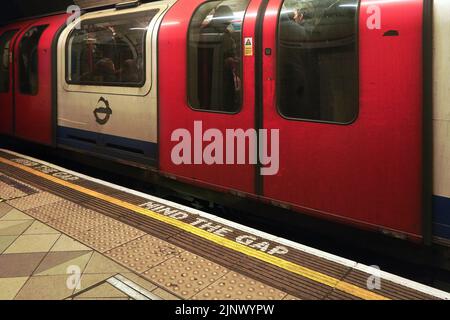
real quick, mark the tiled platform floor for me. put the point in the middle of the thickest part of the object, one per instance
(64, 236)
(36, 261)
(43, 238)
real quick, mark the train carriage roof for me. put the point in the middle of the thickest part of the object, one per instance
(26, 9)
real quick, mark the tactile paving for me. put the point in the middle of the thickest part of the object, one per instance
(7, 192)
(74, 223)
(19, 185)
(186, 275)
(234, 286)
(144, 253)
(109, 235)
(52, 211)
(34, 201)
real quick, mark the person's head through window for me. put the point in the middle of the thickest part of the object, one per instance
(130, 71)
(299, 16)
(105, 70)
(222, 18)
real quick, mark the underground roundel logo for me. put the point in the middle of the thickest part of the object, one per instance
(102, 111)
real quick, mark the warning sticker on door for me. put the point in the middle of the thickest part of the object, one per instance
(248, 46)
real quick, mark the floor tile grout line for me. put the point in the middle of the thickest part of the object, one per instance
(85, 266)
(16, 198)
(21, 234)
(37, 266)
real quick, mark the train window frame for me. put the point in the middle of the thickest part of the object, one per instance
(14, 33)
(356, 74)
(19, 78)
(157, 11)
(242, 70)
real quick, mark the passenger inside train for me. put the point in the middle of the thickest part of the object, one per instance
(5, 40)
(213, 47)
(313, 36)
(110, 52)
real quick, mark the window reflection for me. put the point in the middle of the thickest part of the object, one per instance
(215, 56)
(317, 76)
(5, 40)
(29, 59)
(110, 51)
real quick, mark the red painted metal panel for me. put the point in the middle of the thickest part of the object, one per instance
(367, 173)
(6, 98)
(33, 113)
(175, 113)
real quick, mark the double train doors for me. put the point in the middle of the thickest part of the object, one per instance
(335, 100)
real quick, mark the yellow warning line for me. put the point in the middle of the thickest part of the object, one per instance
(278, 262)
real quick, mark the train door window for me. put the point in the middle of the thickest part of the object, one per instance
(215, 56)
(28, 60)
(5, 40)
(317, 62)
(109, 51)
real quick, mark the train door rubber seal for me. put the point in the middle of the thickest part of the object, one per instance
(258, 45)
(427, 148)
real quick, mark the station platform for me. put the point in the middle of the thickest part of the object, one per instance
(64, 235)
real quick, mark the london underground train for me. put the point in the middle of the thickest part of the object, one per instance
(338, 109)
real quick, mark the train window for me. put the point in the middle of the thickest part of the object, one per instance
(5, 40)
(109, 51)
(28, 60)
(318, 66)
(215, 56)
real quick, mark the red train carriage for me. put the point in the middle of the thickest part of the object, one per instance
(339, 84)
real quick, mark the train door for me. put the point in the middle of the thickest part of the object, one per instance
(34, 110)
(107, 98)
(343, 85)
(207, 94)
(8, 36)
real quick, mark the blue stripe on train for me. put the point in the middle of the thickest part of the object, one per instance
(115, 146)
(441, 213)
